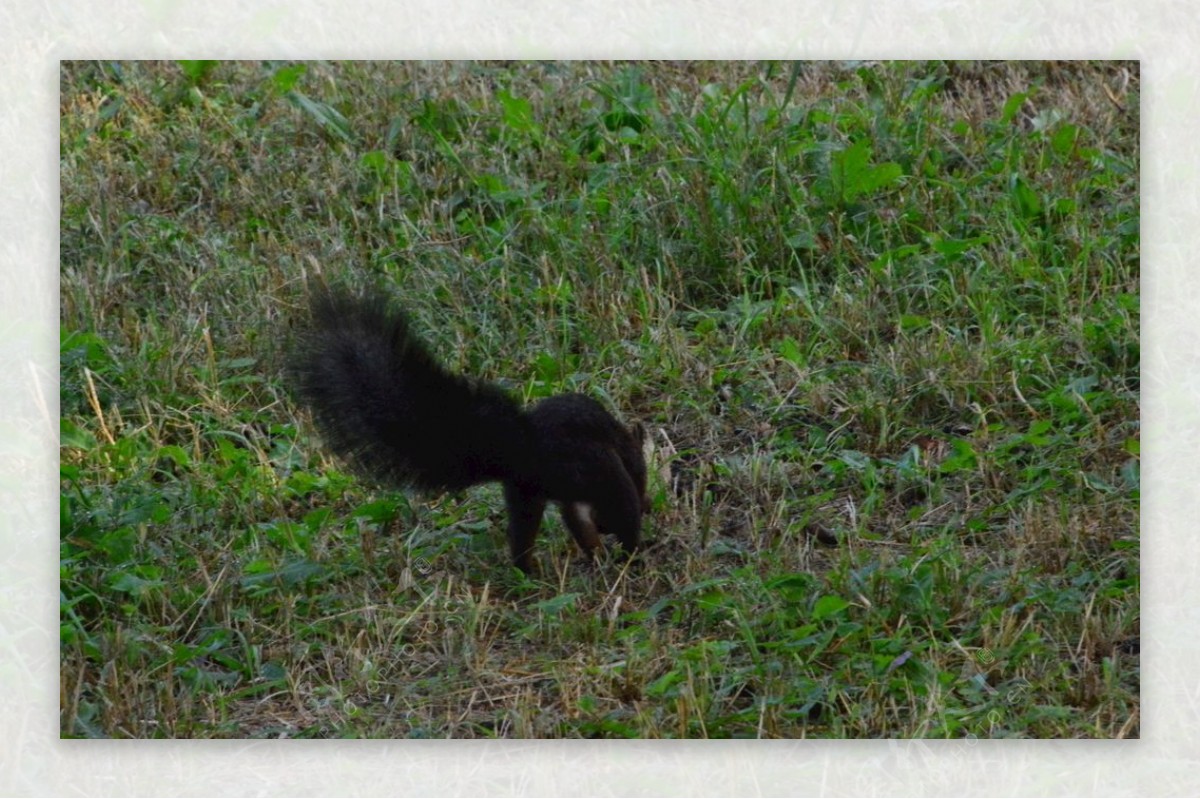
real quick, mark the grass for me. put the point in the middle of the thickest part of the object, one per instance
(880, 320)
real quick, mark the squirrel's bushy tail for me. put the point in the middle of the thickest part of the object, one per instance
(382, 402)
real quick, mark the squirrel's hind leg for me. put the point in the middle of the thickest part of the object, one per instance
(524, 517)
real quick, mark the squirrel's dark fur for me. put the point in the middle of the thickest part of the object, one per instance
(384, 403)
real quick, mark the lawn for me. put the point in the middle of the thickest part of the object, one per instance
(879, 320)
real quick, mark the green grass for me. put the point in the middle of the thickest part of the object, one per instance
(880, 320)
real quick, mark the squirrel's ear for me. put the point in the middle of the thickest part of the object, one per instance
(638, 432)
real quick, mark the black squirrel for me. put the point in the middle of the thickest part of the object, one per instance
(382, 402)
